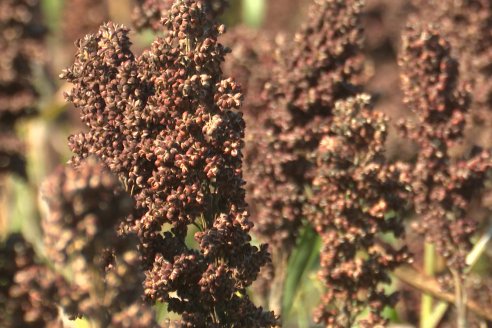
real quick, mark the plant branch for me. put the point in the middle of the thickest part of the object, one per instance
(471, 260)
(412, 277)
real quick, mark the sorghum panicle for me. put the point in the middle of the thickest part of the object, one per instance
(167, 123)
(357, 196)
(466, 25)
(443, 186)
(149, 13)
(322, 65)
(21, 34)
(250, 62)
(29, 292)
(85, 206)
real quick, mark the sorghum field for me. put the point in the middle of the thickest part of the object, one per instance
(245, 163)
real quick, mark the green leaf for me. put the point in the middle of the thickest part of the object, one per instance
(160, 309)
(303, 259)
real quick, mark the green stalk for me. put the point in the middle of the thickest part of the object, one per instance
(276, 295)
(427, 300)
(436, 316)
(4, 207)
(478, 249)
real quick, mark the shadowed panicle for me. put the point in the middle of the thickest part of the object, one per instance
(443, 185)
(430, 85)
(324, 63)
(20, 37)
(466, 24)
(320, 66)
(12, 153)
(250, 62)
(167, 123)
(85, 206)
(21, 34)
(357, 196)
(29, 292)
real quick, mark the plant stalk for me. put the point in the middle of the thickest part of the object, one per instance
(4, 202)
(426, 299)
(276, 296)
(460, 299)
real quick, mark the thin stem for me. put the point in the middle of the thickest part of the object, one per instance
(214, 315)
(460, 299)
